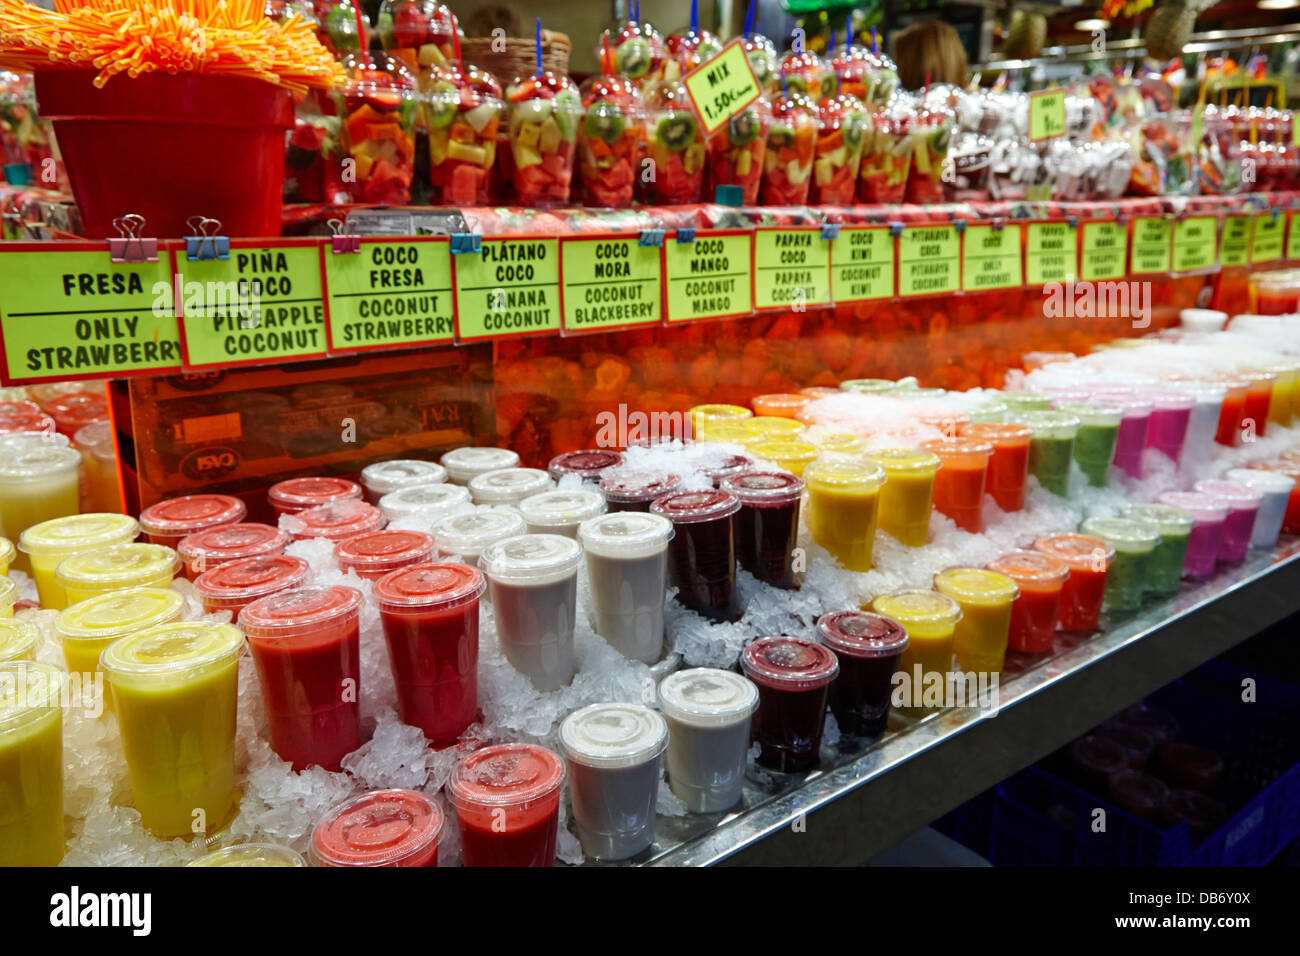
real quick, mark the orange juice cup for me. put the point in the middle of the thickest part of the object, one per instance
(1009, 464)
(1037, 609)
(959, 485)
(779, 404)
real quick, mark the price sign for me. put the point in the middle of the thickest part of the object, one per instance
(1267, 243)
(610, 282)
(1105, 251)
(929, 260)
(791, 269)
(394, 294)
(1293, 237)
(710, 278)
(67, 312)
(1194, 244)
(991, 258)
(511, 288)
(1051, 252)
(862, 264)
(1152, 246)
(1234, 247)
(1046, 114)
(722, 86)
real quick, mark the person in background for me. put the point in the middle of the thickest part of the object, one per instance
(931, 52)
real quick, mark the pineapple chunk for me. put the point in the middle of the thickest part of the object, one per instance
(467, 154)
(824, 171)
(549, 136)
(525, 157)
(796, 172)
(744, 163)
(437, 147)
(528, 136)
(693, 158)
(430, 55)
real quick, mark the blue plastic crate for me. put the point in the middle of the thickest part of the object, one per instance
(971, 823)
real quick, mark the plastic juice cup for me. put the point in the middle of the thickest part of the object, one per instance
(8, 597)
(18, 639)
(959, 485)
(1174, 525)
(464, 112)
(1259, 396)
(167, 522)
(793, 677)
(588, 464)
(385, 477)
(1009, 465)
(772, 429)
(430, 501)
(736, 152)
(7, 553)
(1206, 537)
(430, 615)
(835, 443)
(464, 537)
(299, 494)
(31, 764)
(930, 619)
(702, 554)
(561, 512)
(614, 752)
(733, 465)
(868, 647)
(793, 456)
(251, 854)
(627, 566)
(1233, 410)
(1134, 544)
(37, 483)
(462, 464)
(334, 521)
(1094, 443)
(779, 404)
(509, 486)
(700, 414)
(372, 554)
(233, 586)
(307, 649)
(1171, 414)
(736, 432)
(868, 386)
(988, 413)
(205, 550)
(1282, 408)
(48, 543)
(1276, 490)
(1082, 594)
(767, 525)
(843, 502)
(174, 690)
(533, 580)
(634, 491)
(1037, 608)
(980, 638)
(507, 799)
(906, 498)
(379, 828)
(1243, 507)
(1051, 448)
(1017, 402)
(1203, 420)
(708, 712)
(1290, 520)
(138, 565)
(99, 458)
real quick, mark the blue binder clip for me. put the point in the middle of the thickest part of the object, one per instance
(342, 242)
(685, 235)
(961, 226)
(651, 238)
(830, 231)
(131, 245)
(896, 229)
(205, 243)
(464, 242)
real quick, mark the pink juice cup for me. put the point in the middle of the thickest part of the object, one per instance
(1243, 504)
(167, 522)
(1170, 415)
(1133, 426)
(1207, 534)
(231, 586)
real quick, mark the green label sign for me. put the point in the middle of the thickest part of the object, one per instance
(1152, 249)
(1234, 247)
(862, 264)
(1051, 252)
(1105, 251)
(1270, 230)
(709, 278)
(511, 288)
(260, 305)
(392, 295)
(791, 269)
(609, 283)
(1194, 244)
(1047, 114)
(991, 258)
(1293, 235)
(929, 260)
(722, 86)
(69, 313)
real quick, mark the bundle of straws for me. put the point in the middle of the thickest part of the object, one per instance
(213, 37)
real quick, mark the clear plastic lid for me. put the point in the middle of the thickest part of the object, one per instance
(714, 412)
(685, 507)
(231, 542)
(1025, 401)
(468, 534)
(613, 736)
(505, 775)
(299, 494)
(26, 462)
(625, 534)
(835, 443)
(779, 404)
(918, 606)
(1132, 404)
(335, 520)
(976, 586)
(736, 431)
(868, 386)
(433, 500)
(11, 440)
(380, 828)
(862, 634)
(78, 533)
(118, 613)
(508, 485)
(7, 551)
(247, 579)
(1049, 424)
(998, 433)
(289, 613)
(462, 464)
(1124, 535)
(844, 475)
(587, 464)
(251, 854)
(707, 697)
(434, 584)
(117, 566)
(958, 448)
(773, 429)
(764, 487)
(531, 560)
(561, 509)
(384, 477)
(1094, 414)
(373, 551)
(905, 460)
(172, 649)
(28, 692)
(1237, 496)
(1165, 519)
(1030, 567)
(789, 663)
(17, 639)
(783, 451)
(636, 486)
(1168, 401)
(177, 517)
(1081, 552)
(1266, 482)
(732, 465)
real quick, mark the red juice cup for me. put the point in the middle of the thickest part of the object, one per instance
(868, 647)
(1008, 465)
(1206, 538)
(167, 522)
(76, 410)
(1233, 411)
(236, 584)
(791, 142)
(610, 142)
(307, 648)
(204, 550)
(588, 465)
(767, 524)
(544, 114)
(702, 554)
(959, 485)
(1243, 504)
(737, 150)
(1036, 610)
(429, 613)
(633, 491)
(507, 798)
(385, 477)
(462, 464)
(1133, 426)
(299, 494)
(1259, 394)
(380, 828)
(793, 677)
(334, 521)
(373, 554)
(1088, 559)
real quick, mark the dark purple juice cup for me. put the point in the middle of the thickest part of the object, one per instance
(767, 524)
(702, 554)
(868, 647)
(793, 677)
(733, 465)
(633, 491)
(588, 464)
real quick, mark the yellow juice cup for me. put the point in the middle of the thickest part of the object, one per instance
(99, 456)
(251, 854)
(929, 619)
(8, 597)
(38, 481)
(908, 496)
(174, 689)
(704, 415)
(980, 641)
(735, 432)
(138, 565)
(6, 555)
(48, 543)
(834, 443)
(87, 628)
(31, 764)
(773, 429)
(18, 640)
(843, 499)
(1282, 403)
(793, 456)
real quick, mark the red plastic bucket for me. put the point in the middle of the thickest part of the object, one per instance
(170, 147)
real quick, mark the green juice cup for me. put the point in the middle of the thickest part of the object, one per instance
(1094, 443)
(1174, 525)
(1024, 402)
(1051, 447)
(1134, 542)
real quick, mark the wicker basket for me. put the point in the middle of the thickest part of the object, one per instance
(519, 58)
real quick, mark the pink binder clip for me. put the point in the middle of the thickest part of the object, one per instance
(343, 242)
(132, 246)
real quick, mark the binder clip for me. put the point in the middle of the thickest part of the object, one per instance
(895, 229)
(131, 245)
(205, 244)
(466, 242)
(997, 224)
(342, 242)
(961, 226)
(651, 238)
(685, 235)
(830, 231)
